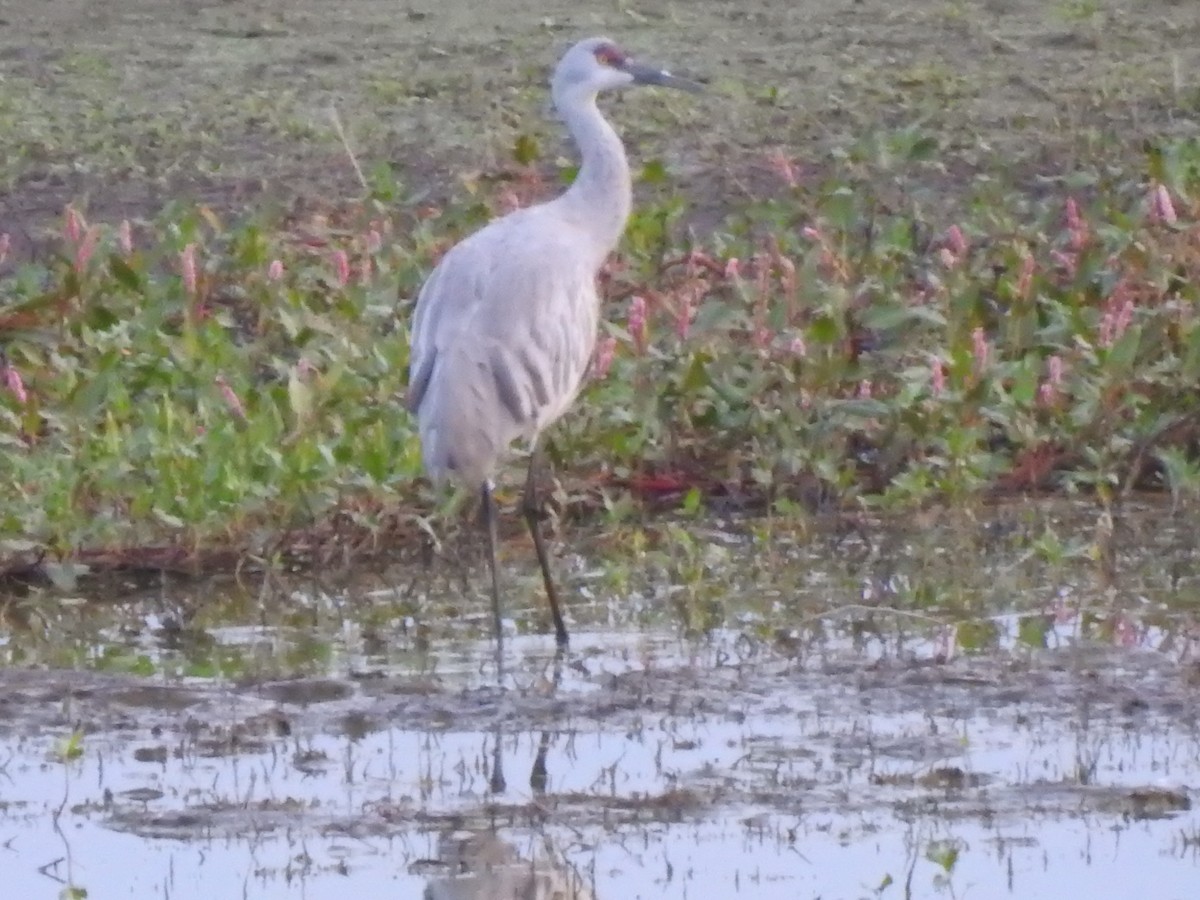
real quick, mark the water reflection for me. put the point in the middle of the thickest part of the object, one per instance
(654, 769)
(482, 866)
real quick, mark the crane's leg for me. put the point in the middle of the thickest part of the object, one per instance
(497, 783)
(533, 515)
(489, 523)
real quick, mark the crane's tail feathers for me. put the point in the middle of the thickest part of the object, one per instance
(418, 383)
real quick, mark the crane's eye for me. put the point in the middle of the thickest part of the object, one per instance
(608, 55)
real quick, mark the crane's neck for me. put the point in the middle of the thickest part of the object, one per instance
(601, 197)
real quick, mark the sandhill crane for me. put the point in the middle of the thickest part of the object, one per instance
(505, 325)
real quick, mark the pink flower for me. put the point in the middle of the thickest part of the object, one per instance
(187, 268)
(938, 375)
(1115, 321)
(73, 224)
(865, 389)
(637, 322)
(733, 267)
(341, 265)
(1076, 225)
(698, 259)
(1049, 389)
(602, 361)
(1068, 261)
(981, 350)
(1062, 611)
(1054, 367)
(1124, 316)
(231, 398)
(954, 247)
(1025, 280)
(86, 248)
(762, 337)
(1118, 313)
(787, 272)
(125, 237)
(829, 259)
(374, 241)
(1125, 630)
(956, 241)
(762, 279)
(1121, 319)
(1161, 207)
(683, 317)
(1073, 219)
(12, 381)
(798, 347)
(275, 271)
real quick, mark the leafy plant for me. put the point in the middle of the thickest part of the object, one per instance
(225, 386)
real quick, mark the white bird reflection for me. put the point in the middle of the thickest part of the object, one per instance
(479, 865)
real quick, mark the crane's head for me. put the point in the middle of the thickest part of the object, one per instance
(598, 64)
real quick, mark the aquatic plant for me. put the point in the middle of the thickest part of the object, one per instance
(200, 384)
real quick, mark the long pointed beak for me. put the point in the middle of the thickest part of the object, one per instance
(643, 74)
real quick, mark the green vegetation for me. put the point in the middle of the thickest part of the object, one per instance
(206, 386)
(859, 286)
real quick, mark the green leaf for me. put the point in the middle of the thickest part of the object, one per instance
(887, 318)
(526, 150)
(101, 318)
(824, 330)
(299, 396)
(654, 172)
(1123, 353)
(1183, 475)
(204, 668)
(383, 183)
(1191, 359)
(841, 208)
(1025, 385)
(923, 148)
(125, 274)
(1155, 166)
(1032, 630)
(943, 853)
(71, 747)
(974, 636)
(862, 408)
(697, 374)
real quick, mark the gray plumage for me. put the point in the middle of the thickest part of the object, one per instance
(503, 334)
(505, 325)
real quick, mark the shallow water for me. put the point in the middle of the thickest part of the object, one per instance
(869, 753)
(773, 780)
